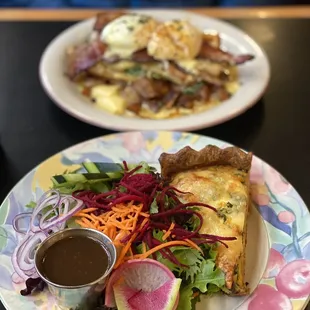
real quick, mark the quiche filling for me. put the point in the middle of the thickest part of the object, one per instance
(225, 187)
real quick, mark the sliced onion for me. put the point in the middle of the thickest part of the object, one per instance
(16, 278)
(63, 217)
(25, 262)
(51, 220)
(50, 202)
(19, 217)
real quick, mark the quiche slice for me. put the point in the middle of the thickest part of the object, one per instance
(220, 178)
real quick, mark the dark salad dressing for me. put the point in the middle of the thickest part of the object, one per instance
(75, 261)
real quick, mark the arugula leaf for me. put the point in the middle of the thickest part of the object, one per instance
(187, 256)
(191, 258)
(186, 297)
(208, 279)
(209, 274)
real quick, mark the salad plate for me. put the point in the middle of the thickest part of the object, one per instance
(278, 242)
(253, 78)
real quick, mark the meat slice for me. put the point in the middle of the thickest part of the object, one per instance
(186, 101)
(217, 55)
(170, 98)
(130, 95)
(205, 93)
(83, 56)
(142, 56)
(102, 19)
(132, 99)
(153, 104)
(150, 88)
(221, 93)
(177, 74)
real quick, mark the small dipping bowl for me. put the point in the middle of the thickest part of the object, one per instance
(79, 297)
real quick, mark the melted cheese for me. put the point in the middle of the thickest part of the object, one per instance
(224, 188)
(196, 66)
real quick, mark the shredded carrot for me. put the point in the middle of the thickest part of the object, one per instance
(124, 251)
(161, 246)
(87, 210)
(168, 232)
(126, 219)
(143, 247)
(117, 223)
(194, 245)
(89, 217)
(81, 223)
(130, 253)
(88, 222)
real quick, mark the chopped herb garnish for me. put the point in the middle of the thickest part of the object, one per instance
(136, 71)
(156, 76)
(229, 205)
(192, 89)
(143, 19)
(130, 28)
(222, 215)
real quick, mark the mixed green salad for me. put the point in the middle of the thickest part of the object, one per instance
(143, 216)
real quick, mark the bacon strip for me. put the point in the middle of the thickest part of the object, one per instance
(102, 19)
(217, 55)
(83, 57)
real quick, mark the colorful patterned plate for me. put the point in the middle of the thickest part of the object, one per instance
(278, 251)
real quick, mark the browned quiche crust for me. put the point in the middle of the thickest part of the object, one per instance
(211, 155)
(188, 159)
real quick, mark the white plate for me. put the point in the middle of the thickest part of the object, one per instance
(254, 77)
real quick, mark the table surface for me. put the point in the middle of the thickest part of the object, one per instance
(276, 129)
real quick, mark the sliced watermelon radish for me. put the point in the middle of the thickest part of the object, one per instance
(163, 298)
(144, 276)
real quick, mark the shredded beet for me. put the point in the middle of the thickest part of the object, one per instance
(36, 284)
(147, 189)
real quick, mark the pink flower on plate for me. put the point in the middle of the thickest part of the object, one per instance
(276, 183)
(257, 174)
(294, 279)
(265, 297)
(275, 263)
(286, 217)
(260, 198)
(133, 141)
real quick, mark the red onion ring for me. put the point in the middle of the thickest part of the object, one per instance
(60, 209)
(17, 219)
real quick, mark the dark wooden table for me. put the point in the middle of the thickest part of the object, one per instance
(277, 129)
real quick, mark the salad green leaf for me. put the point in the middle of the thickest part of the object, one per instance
(154, 207)
(209, 274)
(186, 297)
(207, 279)
(32, 204)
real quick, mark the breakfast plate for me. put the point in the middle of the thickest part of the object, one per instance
(253, 77)
(277, 251)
